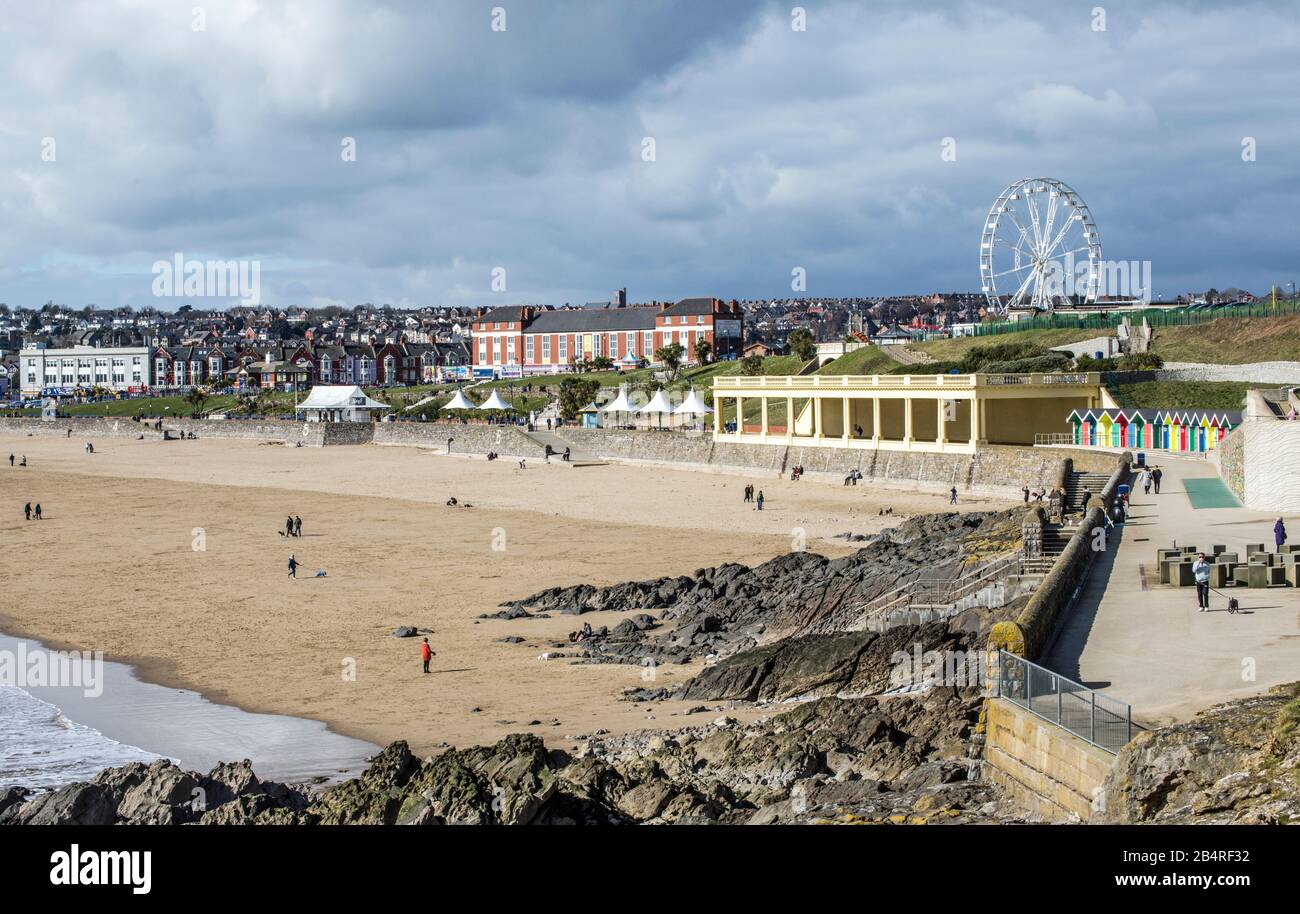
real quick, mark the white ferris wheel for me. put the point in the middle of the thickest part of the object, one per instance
(1037, 238)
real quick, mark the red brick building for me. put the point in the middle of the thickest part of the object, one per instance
(523, 339)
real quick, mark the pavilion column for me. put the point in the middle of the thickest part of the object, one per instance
(984, 422)
(875, 420)
(740, 415)
(846, 419)
(907, 421)
(763, 413)
(942, 436)
(717, 414)
(789, 417)
(817, 417)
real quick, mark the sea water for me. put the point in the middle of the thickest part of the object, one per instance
(55, 735)
(41, 748)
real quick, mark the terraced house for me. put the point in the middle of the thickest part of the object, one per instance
(526, 340)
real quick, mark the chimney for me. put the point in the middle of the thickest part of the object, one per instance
(664, 306)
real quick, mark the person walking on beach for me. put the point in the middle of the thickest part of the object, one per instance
(297, 525)
(288, 525)
(38, 510)
(1146, 482)
(1026, 491)
(1155, 478)
(1279, 534)
(760, 499)
(952, 496)
(23, 462)
(27, 511)
(293, 567)
(426, 654)
(1201, 572)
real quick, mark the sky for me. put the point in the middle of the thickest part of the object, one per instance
(545, 151)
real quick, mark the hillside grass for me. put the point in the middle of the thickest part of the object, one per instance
(1231, 341)
(1183, 394)
(953, 350)
(867, 360)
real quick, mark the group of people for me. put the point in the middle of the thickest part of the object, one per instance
(293, 526)
(852, 479)
(750, 496)
(1150, 478)
(795, 472)
(22, 464)
(29, 512)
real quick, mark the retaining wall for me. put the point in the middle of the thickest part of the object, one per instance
(1031, 632)
(1280, 373)
(309, 433)
(1042, 767)
(1260, 463)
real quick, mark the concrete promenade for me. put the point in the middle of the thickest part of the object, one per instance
(1145, 642)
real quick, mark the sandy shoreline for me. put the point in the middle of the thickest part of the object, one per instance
(114, 568)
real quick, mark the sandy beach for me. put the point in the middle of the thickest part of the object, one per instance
(168, 557)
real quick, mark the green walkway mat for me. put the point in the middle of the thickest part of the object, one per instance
(1210, 492)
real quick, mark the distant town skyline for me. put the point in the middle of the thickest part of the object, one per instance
(433, 154)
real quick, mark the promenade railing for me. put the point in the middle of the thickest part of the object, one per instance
(1100, 719)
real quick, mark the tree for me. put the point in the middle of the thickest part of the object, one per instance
(671, 357)
(802, 345)
(703, 349)
(602, 363)
(575, 393)
(196, 398)
(751, 365)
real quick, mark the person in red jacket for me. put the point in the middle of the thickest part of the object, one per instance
(426, 654)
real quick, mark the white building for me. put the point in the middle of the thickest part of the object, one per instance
(339, 403)
(64, 371)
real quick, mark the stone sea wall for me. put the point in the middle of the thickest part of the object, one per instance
(995, 469)
(309, 433)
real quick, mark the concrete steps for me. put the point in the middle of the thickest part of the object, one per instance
(557, 444)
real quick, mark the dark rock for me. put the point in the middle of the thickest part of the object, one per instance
(405, 631)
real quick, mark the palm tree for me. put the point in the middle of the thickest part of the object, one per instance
(196, 398)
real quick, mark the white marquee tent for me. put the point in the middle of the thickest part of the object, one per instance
(692, 406)
(658, 405)
(495, 402)
(619, 404)
(460, 401)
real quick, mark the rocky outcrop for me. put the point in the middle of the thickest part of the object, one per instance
(861, 663)
(1235, 763)
(159, 793)
(734, 607)
(895, 760)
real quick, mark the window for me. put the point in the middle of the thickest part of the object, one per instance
(546, 348)
(528, 350)
(564, 348)
(482, 350)
(631, 343)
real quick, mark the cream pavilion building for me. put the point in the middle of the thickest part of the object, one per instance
(948, 414)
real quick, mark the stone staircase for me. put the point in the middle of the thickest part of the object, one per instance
(1075, 486)
(1055, 538)
(577, 458)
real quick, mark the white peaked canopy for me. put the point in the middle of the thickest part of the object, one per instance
(658, 404)
(460, 401)
(619, 404)
(495, 402)
(693, 406)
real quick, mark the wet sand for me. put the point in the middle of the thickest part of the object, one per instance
(168, 557)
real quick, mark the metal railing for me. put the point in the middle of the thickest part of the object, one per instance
(1042, 439)
(1093, 716)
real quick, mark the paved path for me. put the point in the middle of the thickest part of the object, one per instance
(1145, 643)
